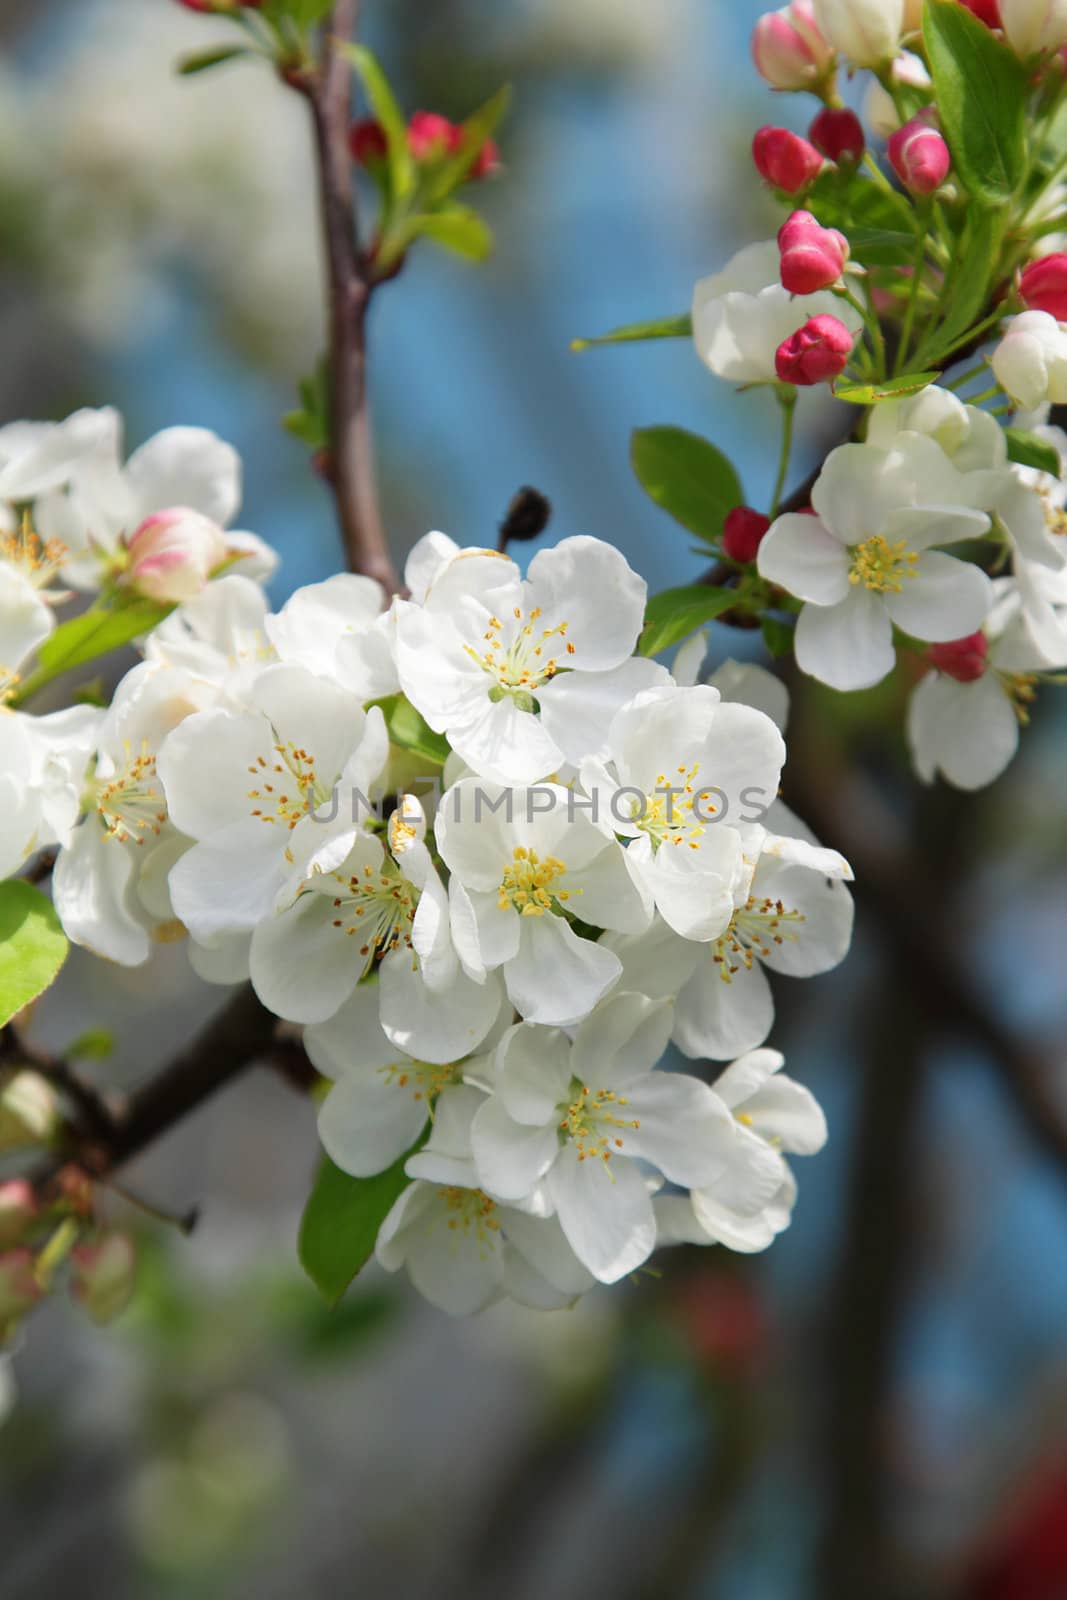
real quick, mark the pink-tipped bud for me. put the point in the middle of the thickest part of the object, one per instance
(962, 659)
(367, 142)
(987, 11)
(785, 159)
(839, 136)
(103, 1274)
(1043, 286)
(173, 554)
(28, 1111)
(430, 136)
(919, 156)
(817, 353)
(18, 1211)
(19, 1289)
(813, 257)
(789, 50)
(486, 162)
(743, 533)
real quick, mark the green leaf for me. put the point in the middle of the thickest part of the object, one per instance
(96, 1044)
(881, 247)
(980, 88)
(1030, 451)
(680, 327)
(341, 1222)
(204, 60)
(676, 613)
(688, 477)
(33, 946)
(457, 228)
(409, 730)
(777, 636)
(383, 104)
(869, 394)
(92, 634)
(973, 266)
(477, 128)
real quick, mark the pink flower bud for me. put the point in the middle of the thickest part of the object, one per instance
(788, 48)
(962, 659)
(18, 1211)
(367, 142)
(103, 1274)
(817, 353)
(431, 137)
(785, 159)
(173, 554)
(19, 1289)
(813, 257)
(1043, 286)
(28, 1111)
(839, 135)
(986, 11)
(743, 533)
(920, 156)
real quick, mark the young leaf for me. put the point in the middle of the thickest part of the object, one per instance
(204, 60)
(676, 613)
(881, 247)
(409, 730)
(1030, 451)
(341, 1222)
(92, 634)
(869, 394)
(383, 103)
(688, 477)
(974, 263)
(33, 946)
(777, 636)
(456, 228)
(680, 327)
(980, 87)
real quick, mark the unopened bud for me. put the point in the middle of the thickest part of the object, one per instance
(103, 1274)
(18, 1211)
(962, 659)
(743, 533)
(1043, 285)
(19, 1289)
(987, 11)
(367, 142)
(28, 1111)
(785, 159)
(919, 156)
(839, 136)
(813, 257)
(788, 48)
(1034, 26)
(173, 554)
(867, 32)
(431, 137)
(817, 353)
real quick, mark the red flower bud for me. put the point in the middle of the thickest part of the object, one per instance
(839, 135)
(813, 257)
(743, 533)
(367, 142)
(785, 159)
(431, 136)
(1043, 285)
(986, 11)
(920, 156)
(816, 353)
(962, 659)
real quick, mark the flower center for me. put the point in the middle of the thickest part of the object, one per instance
(755, 928)
(37, 559)
(520, 655)
(421, 1079)
(289, 788)
(471, 1211)
(528, 884)
(1021, 690)
(672, 813)
(131, 803)
(591, 1121)
(881, 566)
(378, 908)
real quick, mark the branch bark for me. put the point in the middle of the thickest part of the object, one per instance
(352, 474)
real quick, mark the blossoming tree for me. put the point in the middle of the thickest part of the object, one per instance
(460, 843)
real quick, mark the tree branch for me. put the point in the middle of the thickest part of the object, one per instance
(351, 475)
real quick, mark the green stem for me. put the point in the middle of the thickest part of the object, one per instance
(788, 403)
(56, 1251)
(969, 376)
(994, 392)
(912, 306)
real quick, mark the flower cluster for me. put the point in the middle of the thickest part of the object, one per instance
(491, 860)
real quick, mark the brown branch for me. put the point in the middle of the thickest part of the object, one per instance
(352, 475)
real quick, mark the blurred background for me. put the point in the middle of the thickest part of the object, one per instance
(878, 1407)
